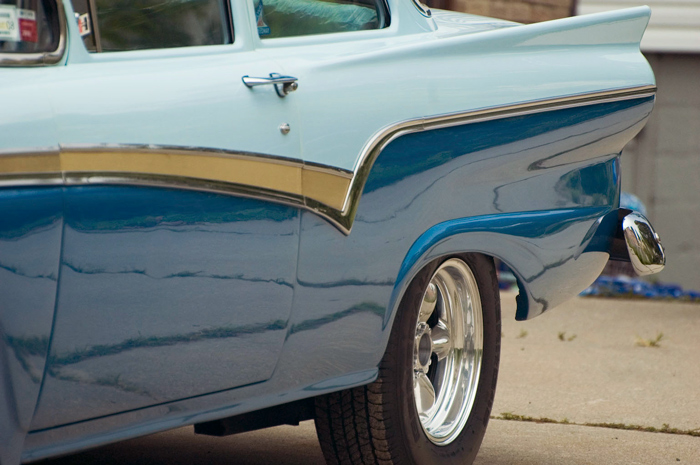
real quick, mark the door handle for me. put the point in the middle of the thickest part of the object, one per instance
(283, 84)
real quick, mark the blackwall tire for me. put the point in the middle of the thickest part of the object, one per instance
(396, 420)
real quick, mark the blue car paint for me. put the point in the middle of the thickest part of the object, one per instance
(509, 226)
(164, 295)
(551, 174)
(347, 289)
(30, 242)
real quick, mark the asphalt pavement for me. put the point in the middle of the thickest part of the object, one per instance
(594, 381)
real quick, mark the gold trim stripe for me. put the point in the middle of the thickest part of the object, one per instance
(234, 170)
(329, 192)
(30, 163)
(107, 164)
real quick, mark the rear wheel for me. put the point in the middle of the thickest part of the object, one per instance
(432, 400)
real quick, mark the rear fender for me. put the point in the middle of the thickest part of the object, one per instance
(528, 243)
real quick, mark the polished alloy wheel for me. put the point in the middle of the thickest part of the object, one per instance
(438, 375)
(447, 351)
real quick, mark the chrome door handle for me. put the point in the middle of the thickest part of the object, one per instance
(283, 84)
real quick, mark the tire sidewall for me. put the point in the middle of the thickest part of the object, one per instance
(417, 447)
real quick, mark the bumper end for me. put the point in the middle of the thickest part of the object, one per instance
(638, 243)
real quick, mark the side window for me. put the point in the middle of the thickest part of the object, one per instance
(288, 18)
(29, 26)
(120, 25)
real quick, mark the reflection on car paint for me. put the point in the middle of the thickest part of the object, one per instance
(150, 275)
(535, 202)
(30, 239)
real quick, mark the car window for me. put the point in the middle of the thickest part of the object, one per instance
(28, 26)
(288, 18)
(120, 25)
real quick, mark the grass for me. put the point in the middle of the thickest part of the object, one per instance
(666, 428)
(522, 335)
(655, 342)
(563, 337)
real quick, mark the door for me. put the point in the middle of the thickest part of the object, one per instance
(177, 271)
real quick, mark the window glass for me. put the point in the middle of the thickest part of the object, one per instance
(119, 25)
(287, 18)
(28, 26)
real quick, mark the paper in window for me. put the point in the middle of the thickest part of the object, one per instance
(263, 29)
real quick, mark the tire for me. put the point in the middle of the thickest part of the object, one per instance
(380, 423)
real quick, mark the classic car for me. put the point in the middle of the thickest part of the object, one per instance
(235, 214)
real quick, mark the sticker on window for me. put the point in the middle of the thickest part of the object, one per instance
(9, 29)
(27, 25)
(263, 29)
(83, 24)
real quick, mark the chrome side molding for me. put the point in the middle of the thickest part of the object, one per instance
(643, 244)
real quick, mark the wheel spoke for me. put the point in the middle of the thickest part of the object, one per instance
(449, 321)
(428, 305)
(442, 343)
(423, 392)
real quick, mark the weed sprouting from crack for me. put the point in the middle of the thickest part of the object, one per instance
(655, 342)
(563, 337)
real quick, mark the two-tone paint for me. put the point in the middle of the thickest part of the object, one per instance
(169, 256)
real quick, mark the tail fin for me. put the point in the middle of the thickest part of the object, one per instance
(609, 28)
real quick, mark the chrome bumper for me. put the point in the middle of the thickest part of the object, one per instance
(638, 243)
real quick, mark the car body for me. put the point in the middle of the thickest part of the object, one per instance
(195, 233)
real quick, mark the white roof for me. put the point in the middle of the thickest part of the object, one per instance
(674, 25)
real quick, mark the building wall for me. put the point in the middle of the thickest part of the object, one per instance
(522, 11)
(674, 26)
(662, 165)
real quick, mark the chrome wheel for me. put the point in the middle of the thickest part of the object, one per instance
(447, 352)
(438, 375)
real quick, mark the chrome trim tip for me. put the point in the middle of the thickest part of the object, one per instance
(643, 245)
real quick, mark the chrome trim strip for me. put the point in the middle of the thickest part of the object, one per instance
(329, 192)
(424, 10)
(34, 179)
(42, 58)
(185, 183)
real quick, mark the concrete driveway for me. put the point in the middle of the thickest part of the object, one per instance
(592, 382)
